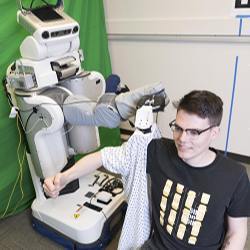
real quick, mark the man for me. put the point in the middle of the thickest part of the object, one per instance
(200, 198)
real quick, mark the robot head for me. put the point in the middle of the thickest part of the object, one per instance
(47, 23)
(51, 52)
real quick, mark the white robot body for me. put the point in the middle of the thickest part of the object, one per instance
(38, 83)
(60, 106)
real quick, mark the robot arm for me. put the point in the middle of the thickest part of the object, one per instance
(111, 109)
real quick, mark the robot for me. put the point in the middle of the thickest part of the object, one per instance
(60, 106)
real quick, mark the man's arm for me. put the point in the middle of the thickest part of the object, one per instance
(52, 185)
(236, 233)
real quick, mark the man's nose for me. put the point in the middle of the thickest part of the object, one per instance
(183, 136)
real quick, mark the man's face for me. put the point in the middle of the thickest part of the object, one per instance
(193, 149)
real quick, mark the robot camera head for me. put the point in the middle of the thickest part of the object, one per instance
(47, 22)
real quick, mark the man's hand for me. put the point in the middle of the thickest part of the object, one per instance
(52, 185)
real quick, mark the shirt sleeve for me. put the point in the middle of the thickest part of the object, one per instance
(114, 159)
(240, 202)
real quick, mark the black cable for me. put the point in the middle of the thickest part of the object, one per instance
(46, 3)
(93, 196)
(107, 183)
(41, 0)
(27, 110)
(31, 3)
(4, 82)
(58, 3)
(111, 185)
(30, 115)
(104, 215)
(131, 123)
(79, 76)
(156, 119)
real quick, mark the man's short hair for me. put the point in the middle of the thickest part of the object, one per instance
(204, 104)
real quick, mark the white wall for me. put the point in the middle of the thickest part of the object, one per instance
(186, 45)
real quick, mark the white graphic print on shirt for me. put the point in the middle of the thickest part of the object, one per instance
(182, 211)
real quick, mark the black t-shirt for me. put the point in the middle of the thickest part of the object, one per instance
(189, 204)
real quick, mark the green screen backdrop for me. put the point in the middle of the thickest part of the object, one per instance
(16, 189)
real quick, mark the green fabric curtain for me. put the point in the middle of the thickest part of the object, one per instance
(16, 189)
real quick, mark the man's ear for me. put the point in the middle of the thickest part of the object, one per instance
(215, 132)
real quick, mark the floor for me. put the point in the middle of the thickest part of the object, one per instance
(16, 233)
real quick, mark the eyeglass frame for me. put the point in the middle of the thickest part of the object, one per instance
(198, 131)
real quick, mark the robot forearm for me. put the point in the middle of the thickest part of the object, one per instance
(111, 109)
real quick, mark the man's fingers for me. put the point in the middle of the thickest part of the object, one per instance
(48, 183)
(57, 181)
(52, 185)
(50, 193)
(54, 194)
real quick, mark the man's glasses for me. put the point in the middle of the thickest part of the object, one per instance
(191, 132)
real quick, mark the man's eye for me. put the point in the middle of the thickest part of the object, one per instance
(178, 129)
(193, 132)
